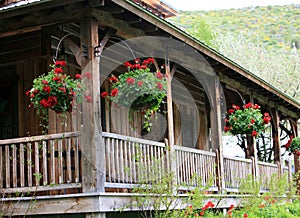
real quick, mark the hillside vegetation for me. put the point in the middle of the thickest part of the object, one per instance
(264, 40)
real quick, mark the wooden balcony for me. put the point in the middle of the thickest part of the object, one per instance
(51, 165)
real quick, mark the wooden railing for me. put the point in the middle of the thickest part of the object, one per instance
(40, 163)
(235, 170)
(195, 168)
(131, 161)
(53, 162)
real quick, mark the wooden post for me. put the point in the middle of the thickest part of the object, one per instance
(170, 120)
(92, 145)
(217, 136)
(256, 169)
(276, 135)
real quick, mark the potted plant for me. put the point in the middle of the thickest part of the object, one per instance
(55, 91)
(293, 145)
(247, 120)
(139, 89)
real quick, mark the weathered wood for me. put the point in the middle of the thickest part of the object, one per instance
(91, 140)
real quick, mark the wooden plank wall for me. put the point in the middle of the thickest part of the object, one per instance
(31, 54)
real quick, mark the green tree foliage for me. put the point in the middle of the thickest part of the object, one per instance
(263, 40)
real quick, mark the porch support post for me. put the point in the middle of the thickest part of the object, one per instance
(276, 137)
(169, 102)
(216, 130)
(169, 76)
(92, 145)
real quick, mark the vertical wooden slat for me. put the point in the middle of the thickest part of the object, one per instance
(113, 158)
(60, 162)
(52, 161)
(131, 163)
(77, 166)
(126, 166)
(29, 164)
(108, 156)
(68, 160)
(117, 160)
(36, 163)
(134, 160)
(14, 165)
(22, 165)
(45, 164)
(7, 166)
(122, 167)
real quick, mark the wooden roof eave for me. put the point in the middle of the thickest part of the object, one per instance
(188, 39)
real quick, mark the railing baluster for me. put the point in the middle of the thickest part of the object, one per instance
(14, 165)
(45, 164)
(22, 165)
(36, 163)
(68, 161)
(7, 166)
(60, 161)
(76, 160)
(52, 161)
(29, 164)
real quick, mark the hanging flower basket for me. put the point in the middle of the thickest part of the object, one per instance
(139, 89)
(293, 145)
(247, 120)
(56, 91)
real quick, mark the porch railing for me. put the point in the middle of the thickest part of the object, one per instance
(40, 163)
(53, 163)
(131, 161)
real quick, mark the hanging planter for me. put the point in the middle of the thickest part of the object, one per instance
(139, 89)
(55, 91)
(293, 145)
(247, 120)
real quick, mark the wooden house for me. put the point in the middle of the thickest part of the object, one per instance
(88, 166)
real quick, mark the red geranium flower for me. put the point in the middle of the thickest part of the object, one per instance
(130, 81)
(159, 86)
(104, 94)
(159, 75)
(45, 82)
(254, 133)
(60, 63)
(140, 83)
(114, 92)
(58, 70)
(78, 76)
(230, 111)
(47, 89)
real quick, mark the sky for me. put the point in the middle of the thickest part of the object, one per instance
(193, 5)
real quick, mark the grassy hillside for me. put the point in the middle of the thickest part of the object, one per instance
(260, 39)
(271, 26)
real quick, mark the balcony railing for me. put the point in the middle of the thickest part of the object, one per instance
(131, 161)
(52, 164)
(40, 163)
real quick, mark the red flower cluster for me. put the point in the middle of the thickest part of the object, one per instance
(137, 64)
(229, 212)
(54, 90)
(246, 120)
(288, 144)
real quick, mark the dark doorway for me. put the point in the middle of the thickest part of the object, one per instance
(8, 110)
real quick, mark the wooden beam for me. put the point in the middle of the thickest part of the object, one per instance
(123, 28)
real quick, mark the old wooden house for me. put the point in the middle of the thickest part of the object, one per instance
(88, 166)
